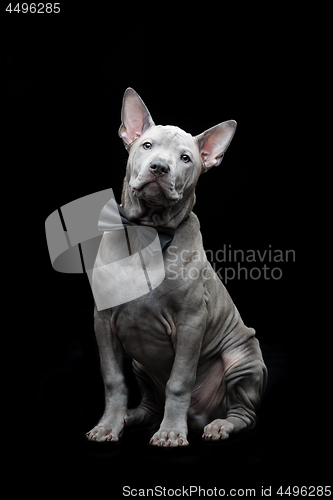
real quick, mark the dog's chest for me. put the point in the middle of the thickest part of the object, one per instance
(143, 332)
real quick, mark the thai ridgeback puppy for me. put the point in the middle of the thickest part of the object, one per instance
(196, 362)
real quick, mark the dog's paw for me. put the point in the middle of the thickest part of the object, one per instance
(169, 439)
(218, 429)
(102, 433)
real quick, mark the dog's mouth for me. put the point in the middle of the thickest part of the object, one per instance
(153, 185)
(155, 191)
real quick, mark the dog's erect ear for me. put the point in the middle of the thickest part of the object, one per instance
(214, 142)
(135, 117)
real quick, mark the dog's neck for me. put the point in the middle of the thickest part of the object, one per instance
(156, 216)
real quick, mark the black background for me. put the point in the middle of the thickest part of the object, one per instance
(63, 101)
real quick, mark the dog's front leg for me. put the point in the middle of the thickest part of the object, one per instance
(173, 429)
(111, 354)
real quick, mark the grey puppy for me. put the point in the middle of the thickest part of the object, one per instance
(196, 362)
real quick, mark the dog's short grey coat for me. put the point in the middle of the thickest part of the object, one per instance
(196, 362)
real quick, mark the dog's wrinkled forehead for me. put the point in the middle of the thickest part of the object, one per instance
(169, 137)
(169, 134)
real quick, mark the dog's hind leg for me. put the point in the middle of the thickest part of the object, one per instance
(150, 410)
(245, 381)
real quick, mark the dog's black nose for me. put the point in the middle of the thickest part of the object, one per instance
(159, 168)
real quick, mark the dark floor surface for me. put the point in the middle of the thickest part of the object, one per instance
(68, 400)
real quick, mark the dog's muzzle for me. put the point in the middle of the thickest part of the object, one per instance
(159, 168)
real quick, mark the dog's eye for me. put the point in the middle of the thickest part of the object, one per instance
(147, 145)
(185, 158)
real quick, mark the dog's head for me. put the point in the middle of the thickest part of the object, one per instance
(165, 163)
